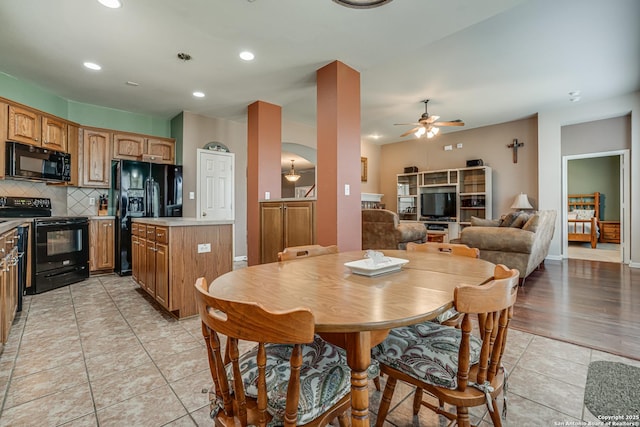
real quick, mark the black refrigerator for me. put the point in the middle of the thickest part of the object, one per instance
(141, 189)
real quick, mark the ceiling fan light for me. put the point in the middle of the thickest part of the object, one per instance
(435, 131)
(430, 134)
(420, 132)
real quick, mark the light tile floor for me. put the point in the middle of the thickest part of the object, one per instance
(102, 353)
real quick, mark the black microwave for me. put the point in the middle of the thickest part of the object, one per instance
(35, 163)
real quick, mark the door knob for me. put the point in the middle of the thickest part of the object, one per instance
(204, 214)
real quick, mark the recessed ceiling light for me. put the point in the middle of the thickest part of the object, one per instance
(574, 99)
(130, 83)
(112, 4)
(92, 66)
(198, 94)
(246, 55)
(375, 136)
(574, 93)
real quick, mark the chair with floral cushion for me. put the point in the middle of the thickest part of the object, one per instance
(450, 317)
(451, 364)
(291, 377)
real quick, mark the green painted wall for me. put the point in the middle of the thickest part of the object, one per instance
(600, 174)
(33, 96)
(84, 114)
(93, 115)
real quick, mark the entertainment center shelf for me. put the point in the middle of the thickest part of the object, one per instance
(445, 200)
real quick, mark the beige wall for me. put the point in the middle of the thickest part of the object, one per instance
(550, 124)
(197, 131)
(488, 143)
(597, 136)
(600, 174)
(372, 153)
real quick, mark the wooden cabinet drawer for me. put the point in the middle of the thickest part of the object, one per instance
(162, 235)
(151, 232)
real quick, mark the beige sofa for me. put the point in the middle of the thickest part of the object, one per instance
(381, 229)
(518, 240)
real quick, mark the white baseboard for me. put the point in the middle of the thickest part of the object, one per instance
(634, 264)
(554, 257)
(240, 258)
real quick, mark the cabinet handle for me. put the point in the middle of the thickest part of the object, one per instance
(35, 139)
(204, 214)
(45, 142)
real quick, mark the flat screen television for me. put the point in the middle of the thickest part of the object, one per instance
(438, 205)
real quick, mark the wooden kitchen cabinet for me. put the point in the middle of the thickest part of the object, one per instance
(285, 224)
(8, 282)
(170, 256)
(160, 150)
(95, 151)
(30, 127)
(141, 148)
(150, 260)
(101, 244)
(73, 142)
(128, 146)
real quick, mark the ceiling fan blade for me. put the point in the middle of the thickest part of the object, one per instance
(408, 124)
(451, 123)
(409, 132)
(431, 119)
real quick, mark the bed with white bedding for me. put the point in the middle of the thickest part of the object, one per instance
(583, 218)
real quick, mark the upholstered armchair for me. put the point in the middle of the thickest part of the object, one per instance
(381, 229)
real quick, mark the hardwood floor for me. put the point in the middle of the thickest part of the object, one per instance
(590, 303)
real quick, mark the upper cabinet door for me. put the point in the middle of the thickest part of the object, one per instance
(24, 125)
(127, 146)
(54, 134)
(160, 151)
(96, 159)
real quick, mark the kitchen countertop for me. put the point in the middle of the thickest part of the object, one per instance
(6, 225)
(102, 217)
(181, 221)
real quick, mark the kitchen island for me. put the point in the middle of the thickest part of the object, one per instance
(169, 254)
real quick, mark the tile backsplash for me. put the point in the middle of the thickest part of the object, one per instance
(78, 200)
(64, 200)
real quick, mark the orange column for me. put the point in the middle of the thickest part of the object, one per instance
(339, 219)
(264, 144)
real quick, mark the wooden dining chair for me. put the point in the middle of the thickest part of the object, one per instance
(451, 364)
(296, 252)
(452, 248)
(292, 377)
(450, 317)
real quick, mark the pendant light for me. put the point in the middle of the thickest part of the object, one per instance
(292, 176)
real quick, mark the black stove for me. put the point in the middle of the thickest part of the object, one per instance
(60, 254)
(24, 207)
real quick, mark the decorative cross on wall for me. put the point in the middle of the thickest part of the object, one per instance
(515, 145)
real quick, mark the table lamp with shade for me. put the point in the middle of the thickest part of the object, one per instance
(521, 202)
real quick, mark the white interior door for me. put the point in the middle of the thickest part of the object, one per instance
(215, 185)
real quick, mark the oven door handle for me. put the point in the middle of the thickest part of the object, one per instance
(59, 223)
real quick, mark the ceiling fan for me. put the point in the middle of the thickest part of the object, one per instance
(428, 124)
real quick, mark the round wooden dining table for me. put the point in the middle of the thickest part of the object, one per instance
(356, 311)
